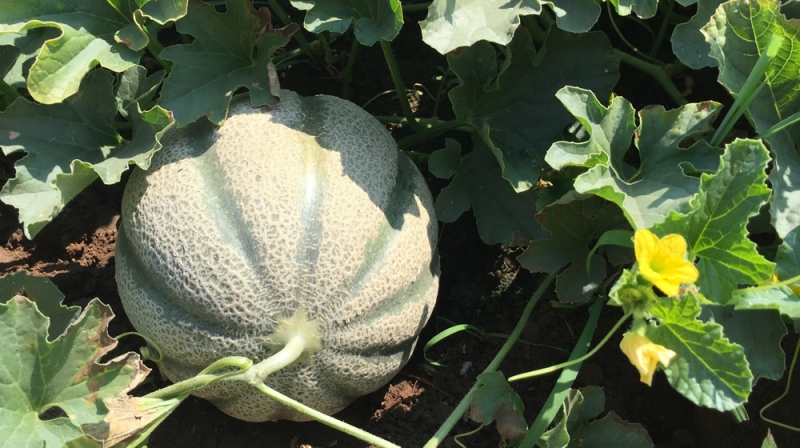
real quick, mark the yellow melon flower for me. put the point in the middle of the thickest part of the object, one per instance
(645, 355)
(663, 261)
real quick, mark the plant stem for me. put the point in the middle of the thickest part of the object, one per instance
(399, 87)
(287, 355)
(785, 392)
(752, 85)
(565, 380)
(433, 131)
(657, 72)
(455, 416)
(551, 369)
(204, 378)
(663, 30)
(348, 69)
(625, 41)
(767, 286)
(325, 419)
(298, 36)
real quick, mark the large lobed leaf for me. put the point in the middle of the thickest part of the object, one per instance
(37, 375)
(659, 185)
(452, 24)
(575, 222)
(512, 102)
(709, 370)
(688, 42)
(373, 20)
(503, 216)
(578, 425)
(89, 32)
(738, 33)
(230, 50)
(69, 145)
(715, 226)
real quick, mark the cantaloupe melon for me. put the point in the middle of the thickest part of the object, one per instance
(307, 205)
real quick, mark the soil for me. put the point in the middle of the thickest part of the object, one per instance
(480, 285)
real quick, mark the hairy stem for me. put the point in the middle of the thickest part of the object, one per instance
(657, 72)
(324, 418)
(554, 368)
(433, 131)
(399, 87)
(348, 69)
(462, 407)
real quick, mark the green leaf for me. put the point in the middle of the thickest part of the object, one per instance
(503, 216)
(659, 185)
(28, 43)
(46, 296)
(709, 370)
(230, 50)
(738, 33)
(444, 162)
(759, 332)
(577, 427)
(715, 227)
(512, 103)
(688, 43)
(461, 23)
(643, 9)
(38, 375)
(781, 299)
(57, 168)
(87, 38)
(8, 57)
(497, 401)
(374, 19)
(575, 222)
(575, 16)
(163, 11)
(788, 257)
(136, 87)
(769, 441)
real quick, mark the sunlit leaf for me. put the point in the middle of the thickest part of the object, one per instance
(709, 370)
(659, 185)
(374, 20)
(230, 50)
(38, 375)
(46, 296)
(715, 226)
(87, 38)
(738, 33)
(512, 103)
(451, 24)
(69, 145)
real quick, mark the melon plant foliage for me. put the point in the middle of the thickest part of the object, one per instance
(540, 149)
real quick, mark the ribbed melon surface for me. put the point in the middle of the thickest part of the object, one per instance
(305, 205)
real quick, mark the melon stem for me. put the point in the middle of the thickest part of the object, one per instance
(290, 353)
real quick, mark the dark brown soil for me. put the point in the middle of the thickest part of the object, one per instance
(481, 285)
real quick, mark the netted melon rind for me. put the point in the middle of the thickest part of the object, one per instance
(307, 204)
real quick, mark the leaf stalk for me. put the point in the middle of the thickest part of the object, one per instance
(399, 87)
(462, 407)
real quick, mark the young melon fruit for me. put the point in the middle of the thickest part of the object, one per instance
(304, 207)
